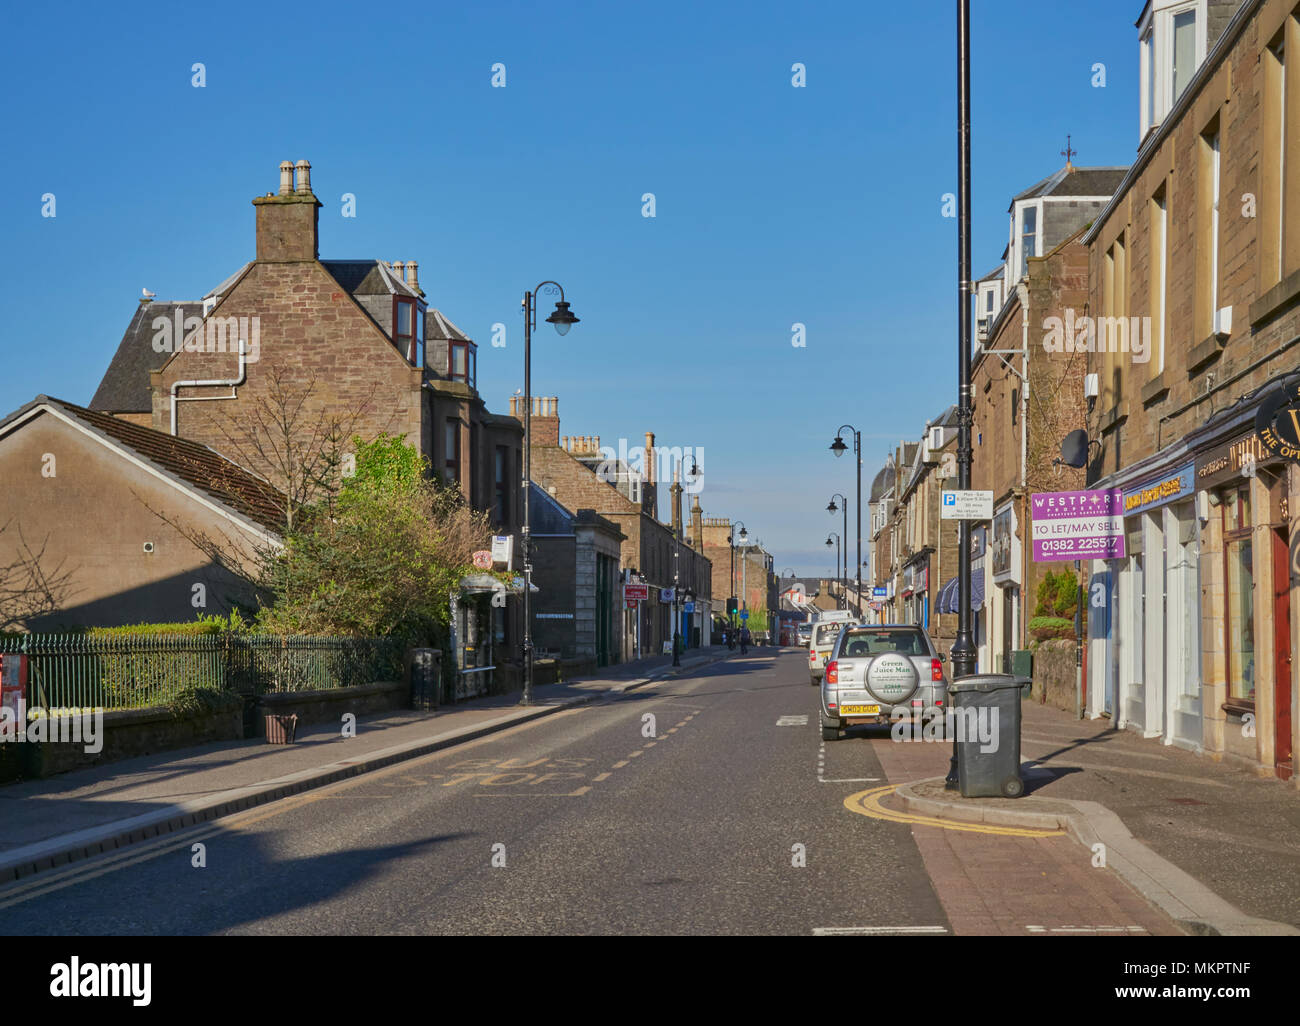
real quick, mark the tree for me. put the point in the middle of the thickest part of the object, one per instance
(30, 587)
(381, 558)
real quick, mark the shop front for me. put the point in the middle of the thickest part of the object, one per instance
(1005, 562)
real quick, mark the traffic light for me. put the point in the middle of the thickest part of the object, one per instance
(731, 607)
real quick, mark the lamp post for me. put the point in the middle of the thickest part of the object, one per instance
(963, 649)
(839, 448)
(831, 509)
(837, 563)
(563, 319)
(677, 615)
(744, 536)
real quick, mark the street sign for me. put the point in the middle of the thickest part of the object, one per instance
(636, 592)
(966, 505)
(503, 550)
(631, 604)
(1077, 525)
(744, 614)
(688, 607)
(880, 593)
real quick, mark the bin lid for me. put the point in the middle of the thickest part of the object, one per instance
(988, 682)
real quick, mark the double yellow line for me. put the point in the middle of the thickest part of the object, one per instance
(868, 803)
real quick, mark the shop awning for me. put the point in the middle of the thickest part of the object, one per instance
(946, 602)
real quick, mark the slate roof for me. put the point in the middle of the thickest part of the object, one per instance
(125, 385)
(1076, 181)
(196, 466)
(367, 278)
(882, 482)
(436, 325)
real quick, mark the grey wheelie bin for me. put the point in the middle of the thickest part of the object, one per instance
(986, 709)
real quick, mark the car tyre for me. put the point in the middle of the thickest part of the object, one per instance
(830, 733)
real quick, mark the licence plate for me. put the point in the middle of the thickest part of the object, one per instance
(859, 710)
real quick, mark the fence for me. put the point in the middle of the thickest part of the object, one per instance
(139, 671)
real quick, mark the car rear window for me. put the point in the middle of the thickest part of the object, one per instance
(904, 642)
(827, 632)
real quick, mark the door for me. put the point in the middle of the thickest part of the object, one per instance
(1282, 655)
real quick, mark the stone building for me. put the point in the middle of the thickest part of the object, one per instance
(1195, 283)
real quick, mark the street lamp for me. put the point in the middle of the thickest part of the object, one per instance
(837, 562)
(677, 615)
(832, 509)
(744, 536)
(563, 319)
(839, 449)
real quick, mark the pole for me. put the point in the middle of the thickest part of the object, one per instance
(677, 616)
(527, 698)
(963, 649)
(857, 449)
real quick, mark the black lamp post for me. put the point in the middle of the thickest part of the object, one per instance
(563, 319)
(963, 649)
(837, 563)
(744, 535)
(839, 448)
(832, 509)
(677, 614)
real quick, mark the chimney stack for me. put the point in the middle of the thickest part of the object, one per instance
(545, 419)
(412, 281)
(288, 223)
(697, 523)
(649, 492)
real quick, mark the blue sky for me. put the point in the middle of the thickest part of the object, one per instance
(774, 205)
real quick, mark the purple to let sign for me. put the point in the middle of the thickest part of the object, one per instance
(1077, 525)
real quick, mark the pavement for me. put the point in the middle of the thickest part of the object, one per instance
(1213, 846)
(51, 822)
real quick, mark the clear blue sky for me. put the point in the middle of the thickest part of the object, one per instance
(775, 205)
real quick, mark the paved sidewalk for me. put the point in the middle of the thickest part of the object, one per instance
(49, 822)
(1216, 847)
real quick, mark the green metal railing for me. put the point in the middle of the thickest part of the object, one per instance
(140, 671)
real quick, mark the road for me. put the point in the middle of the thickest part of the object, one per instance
(598, 820)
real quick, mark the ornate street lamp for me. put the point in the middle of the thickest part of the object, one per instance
(839, 449)
(563, 319)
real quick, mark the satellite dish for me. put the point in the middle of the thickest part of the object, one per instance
(1074, 450)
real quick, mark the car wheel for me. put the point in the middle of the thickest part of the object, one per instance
(830, 733)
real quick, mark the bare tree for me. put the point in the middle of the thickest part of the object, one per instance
(29, 586)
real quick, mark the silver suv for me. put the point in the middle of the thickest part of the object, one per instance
(875, 669)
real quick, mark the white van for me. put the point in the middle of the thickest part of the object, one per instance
(825, 630)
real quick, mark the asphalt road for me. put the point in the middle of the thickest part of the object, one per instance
(593, 826)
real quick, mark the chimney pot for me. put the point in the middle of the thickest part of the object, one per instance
(303, 169)
(411, 277)
(286, 178)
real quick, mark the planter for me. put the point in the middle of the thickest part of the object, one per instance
(280, 729)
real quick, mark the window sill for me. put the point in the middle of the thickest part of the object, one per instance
(1155, 389)
(1238, 707)
(1112, 419)
(1275, 299)
(1206, 352)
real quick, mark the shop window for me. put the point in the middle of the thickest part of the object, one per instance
(1239, 578)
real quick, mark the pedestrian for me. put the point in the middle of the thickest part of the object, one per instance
(744, 640)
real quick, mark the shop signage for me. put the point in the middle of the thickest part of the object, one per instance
(482, 559)
(1077, 525)
(879, 593)
(1277, 420)
(978, 540)
(636, 592)
(1232, 461)
(1160, 491)
(503, 550)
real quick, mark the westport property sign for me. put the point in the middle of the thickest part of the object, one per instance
(1077, 525)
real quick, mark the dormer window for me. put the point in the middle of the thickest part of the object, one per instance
(408, 329)
(462, 362)
(1172, 38)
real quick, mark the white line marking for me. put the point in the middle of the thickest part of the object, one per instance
(859, 931)
(792, 721)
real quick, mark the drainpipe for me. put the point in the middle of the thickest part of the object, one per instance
(211, 383)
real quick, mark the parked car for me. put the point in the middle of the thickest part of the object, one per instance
(824, 633)
(874, 669)
(804, 634)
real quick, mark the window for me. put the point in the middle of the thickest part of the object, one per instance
(1028, 238)
(408, 329)
(1207, 233)
(501, 508)
(462, 360)
(1159, 284)
(451, 451)
(1148, 80)
(1272, 164)
(1184, 51)
(1239, 579)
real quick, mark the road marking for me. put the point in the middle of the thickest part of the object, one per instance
(792, 721)
(875, 931)
(649, 744)
(634, 755)
(1086, 929)
(599, 777)
(854, 780)
(620, 765)
(867, 803)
